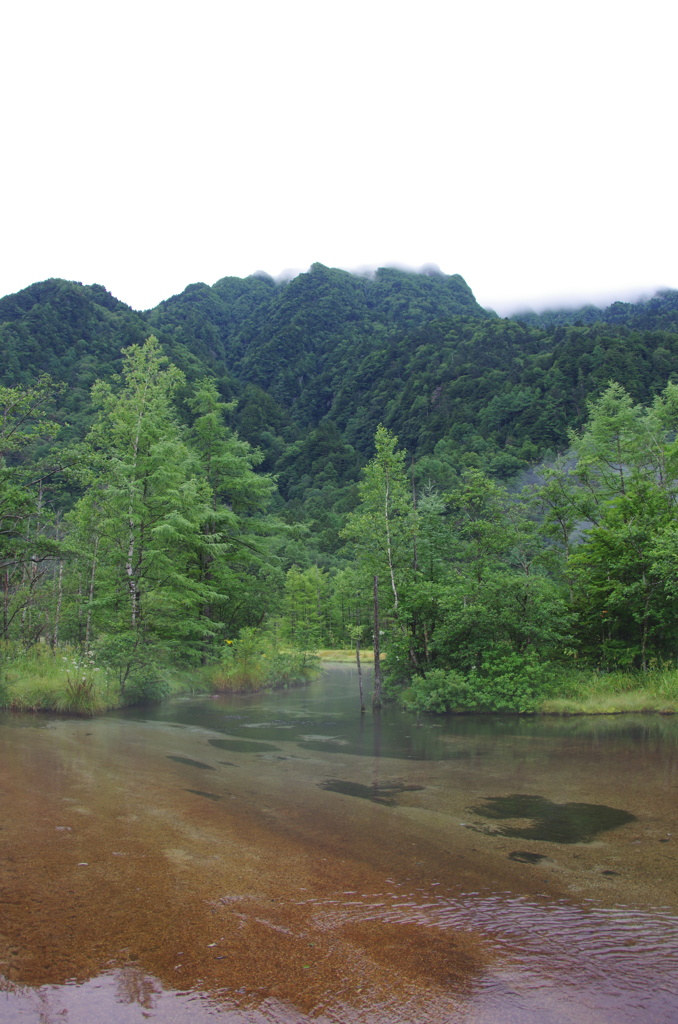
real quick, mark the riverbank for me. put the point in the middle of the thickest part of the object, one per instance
(337, 656)
(612, 693)
(65, 682)
(583, 691)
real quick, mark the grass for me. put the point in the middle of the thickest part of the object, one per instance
(267, 670)
(345, 657)
(40, 679)
(611, 693)
(62, 681)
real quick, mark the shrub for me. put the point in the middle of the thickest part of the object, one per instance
(507, 681)
(146, 684)
(437, 691)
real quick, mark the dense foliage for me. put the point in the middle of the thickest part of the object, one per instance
(251, 455)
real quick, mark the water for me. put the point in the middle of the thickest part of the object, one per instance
(283, 859)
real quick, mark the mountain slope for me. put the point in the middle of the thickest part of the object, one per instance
(340, 353)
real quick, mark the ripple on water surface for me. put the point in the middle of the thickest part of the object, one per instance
(558, 962)
(553, 963)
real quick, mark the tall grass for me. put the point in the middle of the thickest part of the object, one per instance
(595, 692)
(254, 662)
(67, 681)
(38, 678)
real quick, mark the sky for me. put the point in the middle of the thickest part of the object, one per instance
(528, 146)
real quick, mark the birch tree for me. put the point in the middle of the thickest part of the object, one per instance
(383, 526)
(383, 529)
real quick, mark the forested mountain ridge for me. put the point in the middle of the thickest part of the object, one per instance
(295, 340)
(657, 313)
(413, 351)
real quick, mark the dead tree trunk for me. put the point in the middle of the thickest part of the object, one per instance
(376, 689)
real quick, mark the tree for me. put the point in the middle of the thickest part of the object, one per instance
(233, 559)
(355, 634)
(26, 537)
(305, 607)
(142, 516)
(498, 592)
(383, 530)
(488, 615)
(382, 527)
(612, 447)
(623, 571)
(626, 613)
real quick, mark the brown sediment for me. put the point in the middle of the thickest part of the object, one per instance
(107, 866)
(425, 955)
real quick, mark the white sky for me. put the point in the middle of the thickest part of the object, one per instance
(529, 145)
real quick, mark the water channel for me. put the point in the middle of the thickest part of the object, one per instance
(280, 858)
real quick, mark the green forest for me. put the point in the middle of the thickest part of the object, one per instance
(205, 494)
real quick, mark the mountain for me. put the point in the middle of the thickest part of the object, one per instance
(317, 362)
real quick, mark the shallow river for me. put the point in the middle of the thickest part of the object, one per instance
(282, 858)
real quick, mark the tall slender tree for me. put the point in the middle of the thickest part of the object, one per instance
(234, 559)
(382, 527)
(143, 512)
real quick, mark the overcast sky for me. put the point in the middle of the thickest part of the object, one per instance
(529, 145)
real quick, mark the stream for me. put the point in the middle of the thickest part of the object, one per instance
(282, 858)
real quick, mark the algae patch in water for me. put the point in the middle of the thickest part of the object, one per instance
(378, 793)
(548, 821)
(243, 746)
(523, 857)
(191, 762)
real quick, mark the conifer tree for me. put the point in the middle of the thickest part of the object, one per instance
(142, 515)
(233, 558)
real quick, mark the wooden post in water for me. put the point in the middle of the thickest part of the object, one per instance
(376, 689)
(356, 632)
(360, 674)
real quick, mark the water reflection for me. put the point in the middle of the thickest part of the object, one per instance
(326, 715)
(555, 957)
(556, 962)
(242, 746)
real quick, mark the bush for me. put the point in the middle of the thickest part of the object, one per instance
(437, 691)
(507, 681)
(146, 685)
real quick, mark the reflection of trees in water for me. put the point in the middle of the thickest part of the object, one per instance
(133, 986)
(45, 1013)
